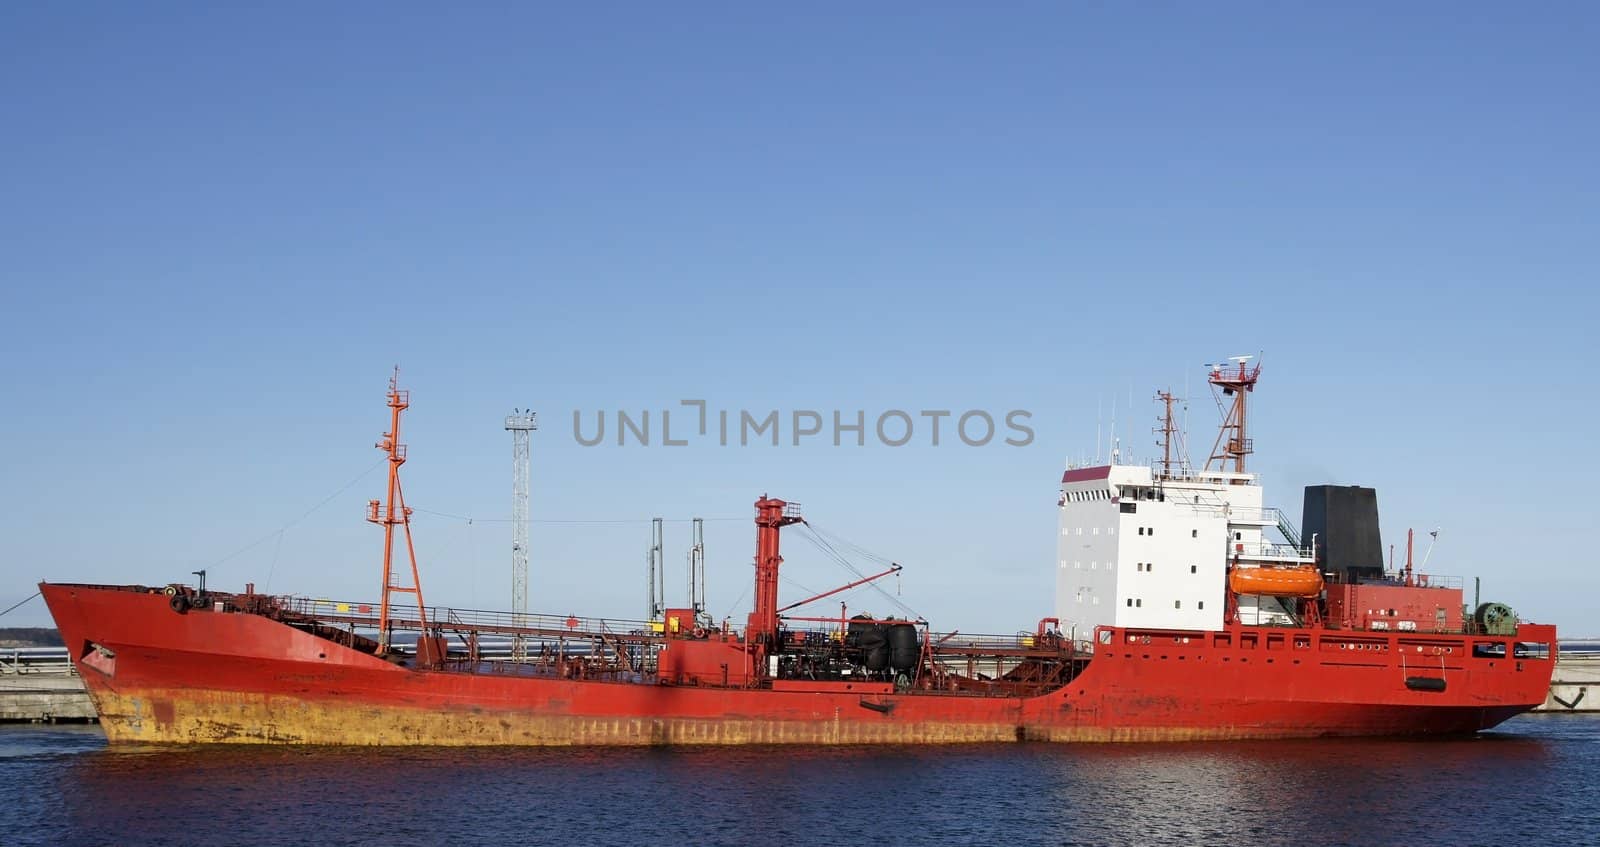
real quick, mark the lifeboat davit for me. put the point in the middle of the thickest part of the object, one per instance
(1302, 581)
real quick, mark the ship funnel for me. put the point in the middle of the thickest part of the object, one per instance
(1344, 520)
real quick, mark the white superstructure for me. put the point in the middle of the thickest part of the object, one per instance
(1152, 547)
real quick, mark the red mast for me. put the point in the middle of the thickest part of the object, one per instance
(1410, 534)
(1235, 381)
(395, 513)
(772, 515)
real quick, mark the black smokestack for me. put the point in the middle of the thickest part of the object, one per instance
(1345, 521)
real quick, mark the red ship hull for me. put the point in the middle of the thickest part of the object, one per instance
(239, 677)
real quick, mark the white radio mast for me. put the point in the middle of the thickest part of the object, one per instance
(519, 423)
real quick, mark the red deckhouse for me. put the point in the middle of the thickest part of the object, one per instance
(1185, 609)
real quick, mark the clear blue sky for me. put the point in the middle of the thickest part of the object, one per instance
(222, 225)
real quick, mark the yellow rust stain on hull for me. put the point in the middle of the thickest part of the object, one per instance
(208, 717)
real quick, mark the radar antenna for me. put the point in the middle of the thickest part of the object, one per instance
(1235, 380)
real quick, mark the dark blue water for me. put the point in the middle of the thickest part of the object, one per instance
(1531, 782)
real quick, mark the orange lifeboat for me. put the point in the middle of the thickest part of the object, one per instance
(1301, 581)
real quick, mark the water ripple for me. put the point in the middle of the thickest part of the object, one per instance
(1529, 780)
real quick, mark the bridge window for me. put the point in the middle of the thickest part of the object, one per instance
(1531, 650)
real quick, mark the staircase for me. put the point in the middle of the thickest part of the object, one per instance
(1291, 533)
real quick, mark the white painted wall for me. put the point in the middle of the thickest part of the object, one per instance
(1172, 566)
(1086, 575)
(1156, 559)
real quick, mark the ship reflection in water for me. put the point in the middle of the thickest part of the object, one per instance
(1531, 779)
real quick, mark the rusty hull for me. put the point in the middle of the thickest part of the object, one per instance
(233, 677)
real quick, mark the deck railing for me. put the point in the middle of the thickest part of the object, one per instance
(36, 660)
(365, 615)
(1267, 550)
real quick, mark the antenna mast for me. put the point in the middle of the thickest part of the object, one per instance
(520, 423)
(1168, 430)
(1116, 443)
(395, 513)
(1232, 380)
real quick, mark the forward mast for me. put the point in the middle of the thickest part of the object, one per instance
(393, 512)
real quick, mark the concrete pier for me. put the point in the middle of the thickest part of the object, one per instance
(44, 699)
(1576, 685)
(39, 685)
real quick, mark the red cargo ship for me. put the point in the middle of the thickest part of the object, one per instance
(1297, 642)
